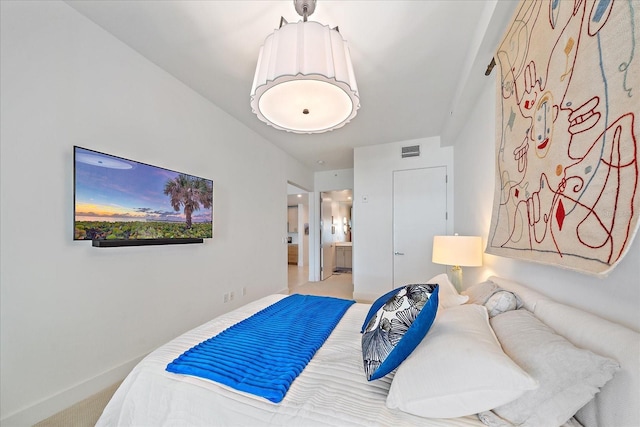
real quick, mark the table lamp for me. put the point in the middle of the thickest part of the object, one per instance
(457, 251)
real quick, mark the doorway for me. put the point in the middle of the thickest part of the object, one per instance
(419, 213)
(336, 234)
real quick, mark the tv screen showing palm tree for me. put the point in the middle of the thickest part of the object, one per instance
(120, 199)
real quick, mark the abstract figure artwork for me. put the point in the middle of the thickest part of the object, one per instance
(568, 98)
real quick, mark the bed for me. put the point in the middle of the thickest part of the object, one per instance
(333, 390)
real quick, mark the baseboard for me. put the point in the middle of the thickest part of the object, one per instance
(66, 398)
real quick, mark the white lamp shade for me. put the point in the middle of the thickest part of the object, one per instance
(304, 80)
(464, 251)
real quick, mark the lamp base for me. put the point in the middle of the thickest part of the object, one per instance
(456, 277)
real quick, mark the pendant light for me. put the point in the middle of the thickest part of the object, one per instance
(304, 80)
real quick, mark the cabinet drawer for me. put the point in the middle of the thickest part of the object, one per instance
(343, 257)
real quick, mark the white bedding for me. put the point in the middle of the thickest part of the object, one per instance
(332, 390)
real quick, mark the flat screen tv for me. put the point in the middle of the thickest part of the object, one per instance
(121, 202)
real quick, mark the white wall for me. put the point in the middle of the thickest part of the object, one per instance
(616, 297)
(339, 179)
(74, 319)
(342, 217)
(373, 220)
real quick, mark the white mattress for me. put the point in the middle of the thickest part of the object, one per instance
(332, 390)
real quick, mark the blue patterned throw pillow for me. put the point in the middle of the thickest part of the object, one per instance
(376, 306)
(397, 328)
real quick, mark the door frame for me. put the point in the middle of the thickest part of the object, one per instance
(315, 239)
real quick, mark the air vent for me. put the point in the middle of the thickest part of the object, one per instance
(411, 151)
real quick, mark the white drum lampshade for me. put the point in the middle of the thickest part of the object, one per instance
(304, 80)
(457, 251)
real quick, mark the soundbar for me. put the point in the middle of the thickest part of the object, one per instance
(143, 242)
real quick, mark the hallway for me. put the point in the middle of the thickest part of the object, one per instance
(339, 285)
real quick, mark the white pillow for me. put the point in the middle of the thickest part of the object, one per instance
(500, 302)
(492, 296)
(458, 369)
(479, 293)
(448, 295)
(569, 376)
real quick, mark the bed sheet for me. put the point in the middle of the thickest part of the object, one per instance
(332, 390)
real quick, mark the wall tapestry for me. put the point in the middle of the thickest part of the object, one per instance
(568, 98)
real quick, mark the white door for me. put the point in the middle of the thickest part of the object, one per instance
(419, 213)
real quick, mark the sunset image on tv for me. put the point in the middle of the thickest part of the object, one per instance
(116, 198)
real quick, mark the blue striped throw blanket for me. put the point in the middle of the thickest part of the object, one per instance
(264, 353)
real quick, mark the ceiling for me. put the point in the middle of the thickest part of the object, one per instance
(419, 64)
